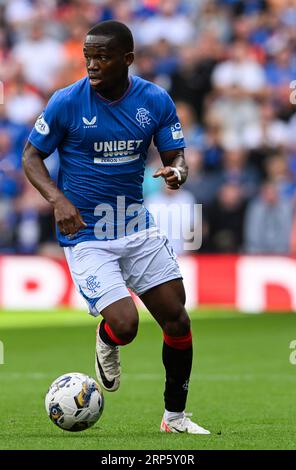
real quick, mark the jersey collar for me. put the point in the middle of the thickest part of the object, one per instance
(112, 103)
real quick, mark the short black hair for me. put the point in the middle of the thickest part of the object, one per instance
(119, 31)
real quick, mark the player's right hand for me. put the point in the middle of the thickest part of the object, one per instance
(171, 175)
(67, 217)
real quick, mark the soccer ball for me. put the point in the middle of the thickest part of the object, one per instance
(74, 402)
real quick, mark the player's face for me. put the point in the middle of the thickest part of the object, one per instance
(107, 64)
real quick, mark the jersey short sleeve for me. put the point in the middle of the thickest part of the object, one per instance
(169, 135)
(50, 127)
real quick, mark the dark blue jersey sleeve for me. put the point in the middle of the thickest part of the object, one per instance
(169, 135)
(50, 127)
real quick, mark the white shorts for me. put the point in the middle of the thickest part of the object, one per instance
(103, 271)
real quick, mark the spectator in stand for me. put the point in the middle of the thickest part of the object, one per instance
(10, 168)
(213, 150)
(145, 63)
(237, 171)
(239, 7)
(201, 184)
(166, 59)
(191, 82)
(34, 221)
(73, 49)
(280, 68)
(169, 23)
(280, 72)
(233, 112)
(151, 185)
(214, 20)
(19, 12)
(240, 71)
(18, 132)
(23, 103)
(268, 223)
(193, 132)
(278, 172)
(269, 131)
(34, 224)
(40, 56)
(10, 188)
(173, 211)
(223, 221)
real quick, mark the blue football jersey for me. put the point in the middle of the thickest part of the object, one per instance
(103, 147)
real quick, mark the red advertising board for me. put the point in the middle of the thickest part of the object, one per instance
(248, 283)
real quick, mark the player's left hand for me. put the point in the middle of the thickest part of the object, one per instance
(171, 175)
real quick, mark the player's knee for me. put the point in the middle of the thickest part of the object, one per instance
(184, 322)
(178, 324)
(126, 329)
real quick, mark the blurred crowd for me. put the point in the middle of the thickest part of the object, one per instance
(230, 66)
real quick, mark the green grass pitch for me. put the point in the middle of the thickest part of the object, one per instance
(242, 386)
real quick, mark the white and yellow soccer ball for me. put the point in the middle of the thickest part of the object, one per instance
(74, 402)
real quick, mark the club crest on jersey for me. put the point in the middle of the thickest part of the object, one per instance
(41, 125)
(91, 123)
(142, 116)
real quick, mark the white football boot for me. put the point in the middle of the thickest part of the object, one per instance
(183, 424)
(107, 365)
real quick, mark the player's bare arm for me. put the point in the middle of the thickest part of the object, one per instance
(67, 216)
(174, 170)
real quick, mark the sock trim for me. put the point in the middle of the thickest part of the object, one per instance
(101, 332)
(178, 342)
(113, 336)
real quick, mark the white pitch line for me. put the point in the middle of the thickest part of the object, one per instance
(158, 376)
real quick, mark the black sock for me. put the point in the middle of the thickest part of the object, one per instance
(104, 335)
(177, 363)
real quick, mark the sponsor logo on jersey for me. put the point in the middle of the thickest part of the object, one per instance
(91, 123)
(122, 147)
(113, 160)
(117, 151)
(41, 125)
(177, 132)
(142, 117)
